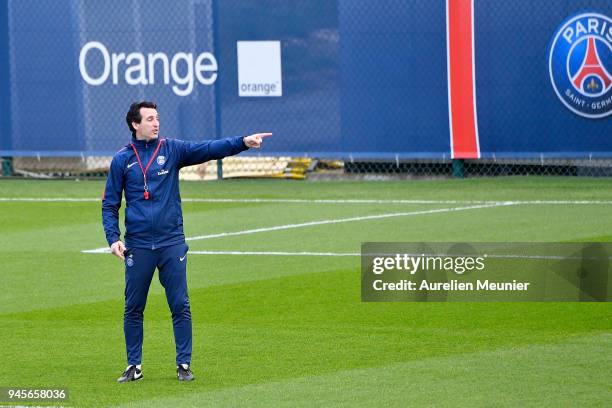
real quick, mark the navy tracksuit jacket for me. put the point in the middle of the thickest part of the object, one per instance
(154, 235)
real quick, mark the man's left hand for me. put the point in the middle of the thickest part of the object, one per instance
(255, 140)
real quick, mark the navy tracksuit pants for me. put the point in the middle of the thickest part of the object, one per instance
(140, 264)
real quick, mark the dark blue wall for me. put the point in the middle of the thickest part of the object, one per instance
(5, 102)
(46, 105)
(519, 113)
(361, 78)
(394, 89)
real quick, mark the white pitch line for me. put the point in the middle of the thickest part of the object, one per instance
(389, 201)
(324, 201)
(48, 199)
(343, 254)
(343, 220)
(274, 253)
(104, 250)
(357, 254)
(326, 222)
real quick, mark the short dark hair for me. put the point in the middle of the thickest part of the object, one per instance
(133, 114)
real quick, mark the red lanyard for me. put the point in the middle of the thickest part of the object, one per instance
(144, 171)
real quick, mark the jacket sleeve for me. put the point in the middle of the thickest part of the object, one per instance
(191, 153)
(111, 201)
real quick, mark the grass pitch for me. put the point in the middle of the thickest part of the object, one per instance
(281, 330)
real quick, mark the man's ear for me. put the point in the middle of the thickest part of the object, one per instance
(135, 125)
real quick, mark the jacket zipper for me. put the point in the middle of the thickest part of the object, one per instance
(151, 208)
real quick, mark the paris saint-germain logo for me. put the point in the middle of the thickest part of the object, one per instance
(161, 160)
(580, 64)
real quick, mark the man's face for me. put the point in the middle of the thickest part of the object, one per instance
(148, 128)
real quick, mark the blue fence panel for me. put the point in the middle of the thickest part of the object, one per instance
(46, 109)
(519, 113)
(394, 88)
(306, 119)
(5, 102)
(359, 78)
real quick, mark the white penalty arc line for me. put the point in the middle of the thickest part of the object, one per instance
(326, 222)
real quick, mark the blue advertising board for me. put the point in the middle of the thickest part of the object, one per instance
(344, 78)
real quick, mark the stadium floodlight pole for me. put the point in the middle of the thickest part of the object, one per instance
(217, 86)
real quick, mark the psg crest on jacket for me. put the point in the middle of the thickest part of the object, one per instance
(580, 64)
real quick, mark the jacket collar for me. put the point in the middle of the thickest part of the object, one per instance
(143, 143)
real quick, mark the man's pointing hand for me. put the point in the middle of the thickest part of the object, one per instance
(255, 140)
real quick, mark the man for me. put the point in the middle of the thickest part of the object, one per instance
(147, 170)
